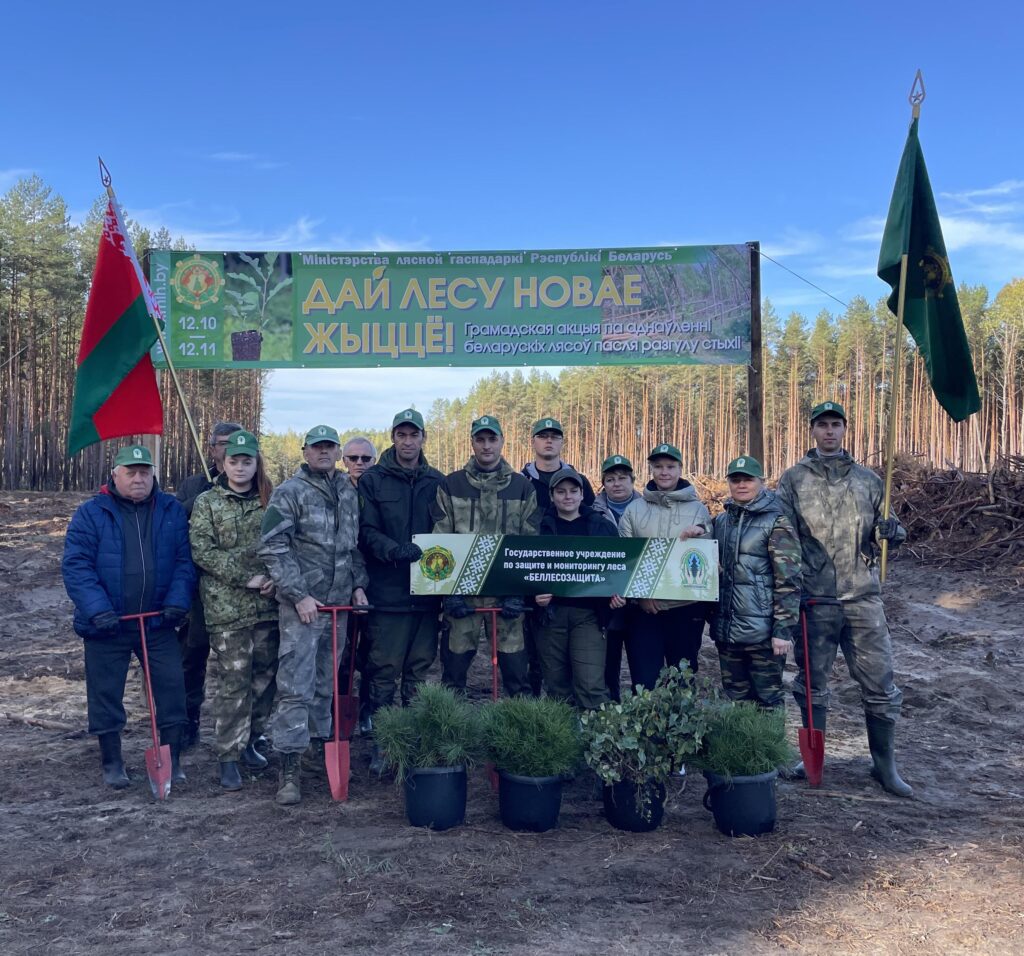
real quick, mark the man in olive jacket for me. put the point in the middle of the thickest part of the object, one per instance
(309, 542)
(396, 496)
(835, 506)
(486, 497)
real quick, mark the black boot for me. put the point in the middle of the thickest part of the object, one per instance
(289, 792)
(172, 737)
(376, 760)
(190, 734)
(456, 669)
(114, 774)
(881, 741)
(514, 667)
(230, 778)
(252, 758)
(819, 713)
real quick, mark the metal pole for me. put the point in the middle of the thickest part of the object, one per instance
(755, 370)
(890, 438)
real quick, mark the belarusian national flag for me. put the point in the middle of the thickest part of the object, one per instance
(115, 386)
(931, 311)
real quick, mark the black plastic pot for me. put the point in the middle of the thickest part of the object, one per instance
(742, 806)
(529, 803)
(625, 812)
(435, 797)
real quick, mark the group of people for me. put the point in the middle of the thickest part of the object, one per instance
(263, 563)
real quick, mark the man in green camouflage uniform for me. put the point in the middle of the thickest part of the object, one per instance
(241, 613)
(486, 497)
(835, 506)
(759, 598)
(310, 544)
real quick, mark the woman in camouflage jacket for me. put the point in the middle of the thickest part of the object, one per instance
(241, 613)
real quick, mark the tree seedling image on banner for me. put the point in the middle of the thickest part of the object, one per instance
(664, 568)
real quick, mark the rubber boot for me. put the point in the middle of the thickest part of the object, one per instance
(190, 734)
(820, 714)
(230, 778)
(289, 792)
(514, 667)
(456, 669)
(376, 760)
(252, 759)
(172, 737)
(114, 774)
(881, 741)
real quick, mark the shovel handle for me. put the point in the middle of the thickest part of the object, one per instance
(493, 612)
(807, 672)
(141, 618)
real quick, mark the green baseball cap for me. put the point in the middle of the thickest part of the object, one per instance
(320, 433)
(616, 461)
(486, 423)
(546, 424)
(241, 443)
(828, 408)
(744, 465)
(670, 450)
(134, 455)
(409, 417)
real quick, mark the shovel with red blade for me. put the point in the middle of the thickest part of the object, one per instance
(812, 741)
(492, 773)
(337, 752)
(158, 758)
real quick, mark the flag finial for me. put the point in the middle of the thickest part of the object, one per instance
(917, 94)
(104, 173)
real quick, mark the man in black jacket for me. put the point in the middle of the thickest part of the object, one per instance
(193, 638)
(396, 495)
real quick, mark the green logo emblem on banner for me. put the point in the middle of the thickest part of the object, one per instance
(437, 563)
(197, 281)
(695, 568)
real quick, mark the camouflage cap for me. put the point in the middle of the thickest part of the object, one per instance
(616, 461)
(486, 423)
(241, 443)
(565, 473)
(666, 450)
(744, 465)
(828, 408)
(409, 416)
(134, 455)
(546, 424)
(319, 433)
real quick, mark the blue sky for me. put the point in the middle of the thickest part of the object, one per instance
(469, 125)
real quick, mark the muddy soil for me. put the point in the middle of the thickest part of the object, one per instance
(84, 869)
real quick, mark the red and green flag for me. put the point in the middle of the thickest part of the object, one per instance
(931, 310)
(116, 392)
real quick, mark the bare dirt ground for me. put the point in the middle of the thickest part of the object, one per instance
(84, 869)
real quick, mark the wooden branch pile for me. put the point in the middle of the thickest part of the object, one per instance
(963, 520)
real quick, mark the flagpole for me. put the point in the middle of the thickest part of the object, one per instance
(916, 98)
(153, 310)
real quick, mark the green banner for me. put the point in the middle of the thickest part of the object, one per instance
(499, 565)
(662, 305)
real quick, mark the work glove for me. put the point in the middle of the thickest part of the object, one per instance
(406, 553)
(455, 606)
(106, 622)
(173, 616)
(512, 607)
(887, 529)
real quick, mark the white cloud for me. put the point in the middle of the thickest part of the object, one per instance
(1005, 188)
(793, 242)
(961, 232)
(377, 243)
(255, 160)
(8, 177)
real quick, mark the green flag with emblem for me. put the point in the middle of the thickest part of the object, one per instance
(931, 311)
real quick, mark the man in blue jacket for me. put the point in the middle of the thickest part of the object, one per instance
(127, 552)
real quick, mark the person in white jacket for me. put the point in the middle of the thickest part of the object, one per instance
(664, 633)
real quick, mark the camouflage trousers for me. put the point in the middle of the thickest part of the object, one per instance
(464, 633)
(243, 665)
(860, 630)
(572, 656)
(305, 681)
(752, 672)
